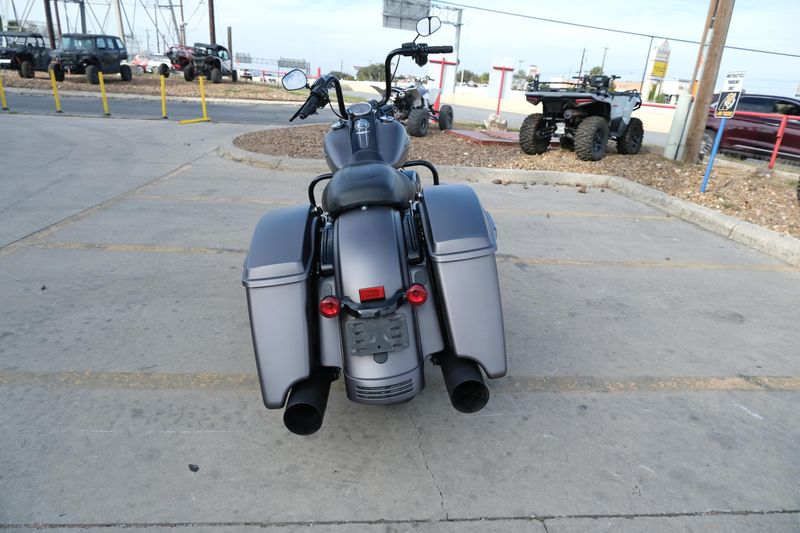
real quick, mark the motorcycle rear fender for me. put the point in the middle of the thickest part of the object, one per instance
(461, 244)
(276, 277)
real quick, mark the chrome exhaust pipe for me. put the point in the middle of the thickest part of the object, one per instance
(465, 386)
(305, 408)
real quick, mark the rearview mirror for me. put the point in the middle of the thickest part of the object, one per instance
(294, 80)
(428, 26)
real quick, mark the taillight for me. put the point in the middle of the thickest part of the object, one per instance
(417, 294)
(371, 293)
(533, 100)
(580, 101)
(329, 306)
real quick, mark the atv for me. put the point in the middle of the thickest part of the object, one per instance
(589, 112)
(412, 106)
(210, 60)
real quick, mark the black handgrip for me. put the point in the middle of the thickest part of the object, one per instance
(439, 49)
(309, 107)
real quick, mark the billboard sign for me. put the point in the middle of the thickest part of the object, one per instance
(404, 14)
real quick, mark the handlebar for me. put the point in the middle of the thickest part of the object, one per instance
(408, 50)
(319, 97)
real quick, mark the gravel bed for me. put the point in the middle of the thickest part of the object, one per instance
(751, 193)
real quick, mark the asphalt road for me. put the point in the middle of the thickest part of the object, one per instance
(256, 113)
(653, 374)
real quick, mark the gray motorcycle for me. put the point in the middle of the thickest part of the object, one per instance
(377, 276)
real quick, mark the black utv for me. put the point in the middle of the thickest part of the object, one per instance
(80, 53)
(209, 60)
(24, 52)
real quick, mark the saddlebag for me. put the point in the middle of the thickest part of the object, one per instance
(276, 278)
(461, 244)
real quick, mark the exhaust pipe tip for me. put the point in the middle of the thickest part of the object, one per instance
(305, 409)
(465, 386)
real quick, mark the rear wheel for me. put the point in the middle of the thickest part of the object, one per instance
(234, 76)
(530, 139)
(216, 75)
(163, 70)
(26, 69)
(707, 143)
(58, 72)
(591, 139)
(188, 73)
(417, 124)
(91, 74)
(631, 141)
(445, 117)
(139, 69)
(125, 73)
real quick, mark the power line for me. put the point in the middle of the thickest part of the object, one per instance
(613, 30)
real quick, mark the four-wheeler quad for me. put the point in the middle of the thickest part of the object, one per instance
(209, 60)
(80, 53)
(24, 52)
(413, 106)
(590, 114)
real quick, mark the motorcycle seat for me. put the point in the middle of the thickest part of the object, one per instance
(367, 183)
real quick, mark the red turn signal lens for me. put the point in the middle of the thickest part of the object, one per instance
(329, 307)
(417, 294)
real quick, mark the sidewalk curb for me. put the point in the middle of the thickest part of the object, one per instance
(764, 240)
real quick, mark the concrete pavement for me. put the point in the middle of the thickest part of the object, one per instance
(653, 377)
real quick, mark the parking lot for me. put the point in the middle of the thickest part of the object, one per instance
(653, 379)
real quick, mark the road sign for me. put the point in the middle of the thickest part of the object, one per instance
(729, 97)
(404, 14)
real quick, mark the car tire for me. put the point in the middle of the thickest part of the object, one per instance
(188, 73)
(630, 142)
(216, 75)
(91, 74)
(58, 72)
(529, 140)
(234, 76)
(591, 139)
(417, 124)
(445, 118)
(139, 70)
(26, 69)
(125, 73)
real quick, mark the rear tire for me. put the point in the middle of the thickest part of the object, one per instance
(529, 141)
(139, 70)
(707, 143)
(445, 117)
(234, 76)
(591, 139)
(188, 73)
(417, 124)
(26, 69)
(216, 75)
(91, 74)
(58, 72)
(163, 70)
(125, 73)
(631, 141)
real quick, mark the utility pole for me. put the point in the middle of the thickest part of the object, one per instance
(49, 18)
(82, 5)
(458, 48)
(175, 23)
(580, 69)
(212, 32)
(158, 41)
(147, 31)
(230, 45)
(705, 90)
(183, 25)
(603, 63)
(58, 18)
(120, 27)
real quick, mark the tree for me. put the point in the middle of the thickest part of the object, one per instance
(484, 78)
(341, 75)
(468, 76)
(373, 72)
(596, 71)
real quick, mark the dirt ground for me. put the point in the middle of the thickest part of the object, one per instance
(745, 191)
(149, 84)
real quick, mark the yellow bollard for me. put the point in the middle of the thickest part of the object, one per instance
(204, 118)
(55, 91)
(163, 98)
(3, 96)
(103, 93)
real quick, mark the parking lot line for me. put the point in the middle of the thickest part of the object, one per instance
(666, 264)
(510, 384)
(579, 214)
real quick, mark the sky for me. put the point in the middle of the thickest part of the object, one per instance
(346, 33)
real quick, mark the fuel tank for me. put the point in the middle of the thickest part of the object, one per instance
(393, 143)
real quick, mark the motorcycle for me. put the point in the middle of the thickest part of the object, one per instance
(412, 105)
(376, 277)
